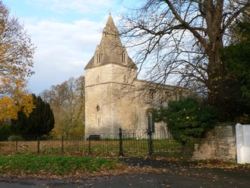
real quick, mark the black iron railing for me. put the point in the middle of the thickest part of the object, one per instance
(129, 143)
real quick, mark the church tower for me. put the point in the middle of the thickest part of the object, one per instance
(109, 77)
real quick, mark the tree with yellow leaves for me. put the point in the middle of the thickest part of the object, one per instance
(16, 61)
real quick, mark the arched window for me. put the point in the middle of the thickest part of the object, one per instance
(167, 95)
(98, 115)
(151, 94)
(180, 94)
(98, 57)
(125, 78)
(123, 57)
(97, 108)
(151, 123)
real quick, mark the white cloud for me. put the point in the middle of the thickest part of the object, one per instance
(63, 50)
(81, 6)
(64, 46)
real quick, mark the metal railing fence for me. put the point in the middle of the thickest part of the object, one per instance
(123, 143)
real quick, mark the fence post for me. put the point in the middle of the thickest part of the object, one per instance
(62, 144)
(38, 144)
(150, 143)
(16, 142)
(120, 137)
(89, 146)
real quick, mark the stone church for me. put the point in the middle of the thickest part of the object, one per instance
(114, 97)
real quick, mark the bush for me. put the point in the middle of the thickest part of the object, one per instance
(186, 119)
(15, 138)
(5, 132)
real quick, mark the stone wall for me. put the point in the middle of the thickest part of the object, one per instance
(108, 103)
(219, 143)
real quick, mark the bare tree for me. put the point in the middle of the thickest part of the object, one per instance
(67, 101)
(181, 39)
(235, 33)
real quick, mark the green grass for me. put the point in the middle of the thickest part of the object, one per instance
(54, 165)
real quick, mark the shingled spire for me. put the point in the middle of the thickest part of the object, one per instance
(110, 49)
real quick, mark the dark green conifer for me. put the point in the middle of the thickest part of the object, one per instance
(40, 122)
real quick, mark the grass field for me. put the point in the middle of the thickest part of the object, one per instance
(31, 164)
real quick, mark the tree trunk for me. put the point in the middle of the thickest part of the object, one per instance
(217, 80)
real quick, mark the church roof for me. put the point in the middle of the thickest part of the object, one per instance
(110, 50)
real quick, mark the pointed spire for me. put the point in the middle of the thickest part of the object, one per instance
(110, 49)
(110, 22)
(110, 29)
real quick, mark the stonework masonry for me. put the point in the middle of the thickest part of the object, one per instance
(113, 96)
(219, 143)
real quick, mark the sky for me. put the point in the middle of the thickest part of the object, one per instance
(65, 33)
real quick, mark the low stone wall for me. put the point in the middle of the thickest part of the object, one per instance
(219, 143)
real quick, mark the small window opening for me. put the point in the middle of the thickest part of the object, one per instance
(97, 108)
(98, 57)
(176, 96)
(123, 57)
(151, 123)
(180, 94)
(167, 95)
(125, 78)
(151, 94)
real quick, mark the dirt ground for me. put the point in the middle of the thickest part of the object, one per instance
(169, 175)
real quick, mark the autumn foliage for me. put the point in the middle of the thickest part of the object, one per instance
(16, 61)
(68, 102)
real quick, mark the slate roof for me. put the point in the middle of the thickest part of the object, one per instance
(110, 49)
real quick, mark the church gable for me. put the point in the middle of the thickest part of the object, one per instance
(110, 50)
(114, 97)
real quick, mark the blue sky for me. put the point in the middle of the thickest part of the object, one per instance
(65, 33)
